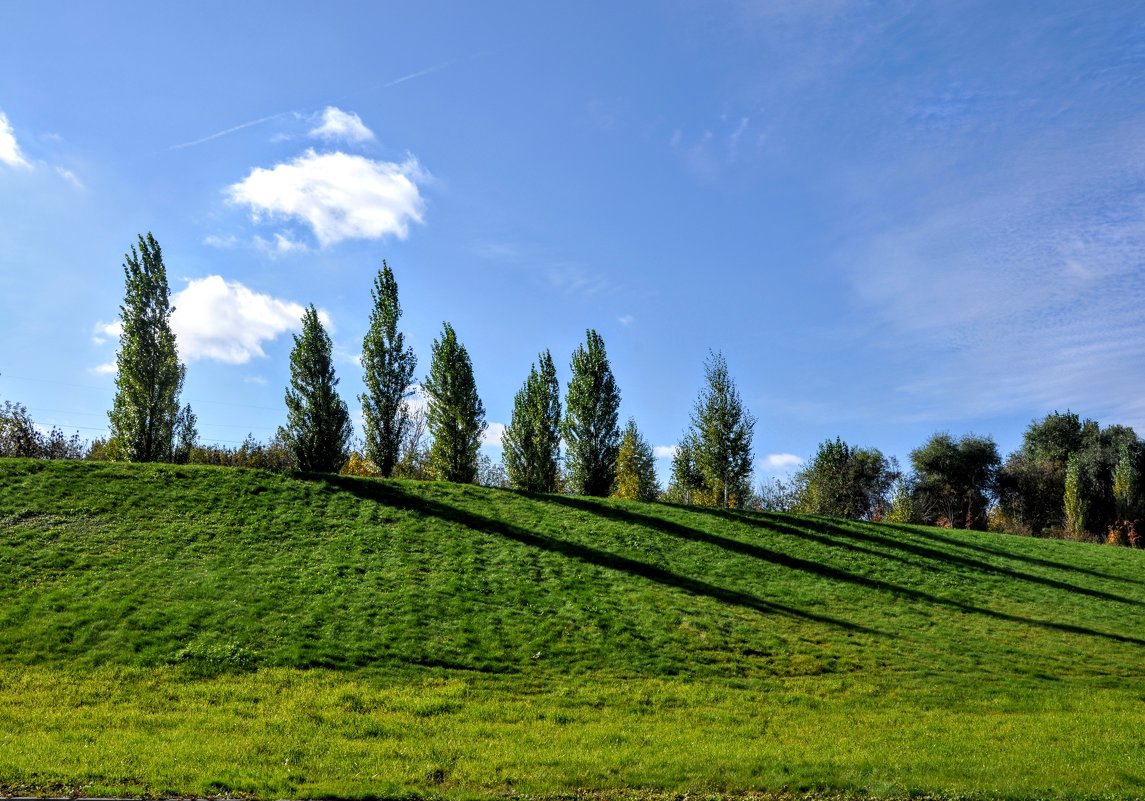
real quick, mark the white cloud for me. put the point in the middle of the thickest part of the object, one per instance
(70, 177)
(221, 242)
(344, 125)
(492, 435)
(664, 451)
(227, 322)
(281, 246)
(626, 319)
(9, 149)
(340, 196)
(107, 368)
(782, 462)
(102, 332)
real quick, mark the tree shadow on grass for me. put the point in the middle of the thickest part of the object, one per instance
(392, 495)
(825, 532)
(633, 517)
(932, 534)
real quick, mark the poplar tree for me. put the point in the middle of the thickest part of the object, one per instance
(720, 438)
(145, 415)
(590, 425)
(388, 367)
(635, 467)
(1073, 502)
(318, 428)
(532, 439)
(455, 416)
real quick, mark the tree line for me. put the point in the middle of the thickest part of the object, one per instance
(1070, 477)
(579, 448)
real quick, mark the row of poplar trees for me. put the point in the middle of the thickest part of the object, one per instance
(712, 465)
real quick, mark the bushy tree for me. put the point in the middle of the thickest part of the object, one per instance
(1034, 481)
(590, 428)
(145, 416)
(842, 481)
(532, 440)
(413, 460)
(901, 509)
(777, 495)
(20, 437)
(635, 467)
(388, 366)
(318, 428)
(719, 440)
(456, 416)
(18, 434)
(956, 480)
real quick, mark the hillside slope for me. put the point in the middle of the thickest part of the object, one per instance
(145, 565)
(191, 631)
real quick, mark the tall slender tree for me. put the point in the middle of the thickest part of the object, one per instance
(635, 467)
(145, 415)
(388, 366)
(721, 437)
(590, 426)
(456, 416)
(318, 429)
(532, 439)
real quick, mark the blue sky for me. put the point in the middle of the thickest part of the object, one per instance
(892, 218)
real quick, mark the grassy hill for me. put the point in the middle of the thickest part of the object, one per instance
(219, 631)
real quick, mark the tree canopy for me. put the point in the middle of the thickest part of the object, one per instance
(635, 466)
(719, 441)
(843, 481)
(388, 366)
(318, 428)
(590, 426)
(956, 480)
(456, 416)
(145, 417)
(532, 439)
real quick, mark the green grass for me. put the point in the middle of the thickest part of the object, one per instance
(181, 630)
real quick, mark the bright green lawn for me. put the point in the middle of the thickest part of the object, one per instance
(206, 631)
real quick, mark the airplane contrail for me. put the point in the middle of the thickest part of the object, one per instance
(227, 131)
(413, 75)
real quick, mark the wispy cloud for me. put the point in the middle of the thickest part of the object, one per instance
(70, 177)
(10, 152)
(566, 276)
(340, 196)
(1015, 286)
(336, 124)
(282, 245)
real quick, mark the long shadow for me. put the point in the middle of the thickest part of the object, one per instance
(392, 496)
(1016, 557)
(815, 568)
(833, 535)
